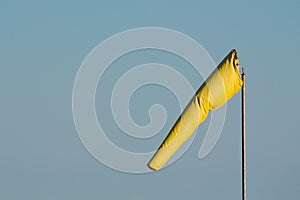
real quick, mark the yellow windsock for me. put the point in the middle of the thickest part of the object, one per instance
(220, 86)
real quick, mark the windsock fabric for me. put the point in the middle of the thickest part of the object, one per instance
(220, 86)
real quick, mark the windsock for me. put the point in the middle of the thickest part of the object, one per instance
(221, 85)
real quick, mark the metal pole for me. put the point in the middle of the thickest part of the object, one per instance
(244, 134)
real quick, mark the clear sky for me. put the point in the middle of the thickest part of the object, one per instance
(42, 45)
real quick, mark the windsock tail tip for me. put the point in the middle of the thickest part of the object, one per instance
(150, 166)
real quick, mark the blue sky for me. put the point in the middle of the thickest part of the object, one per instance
(43, 45)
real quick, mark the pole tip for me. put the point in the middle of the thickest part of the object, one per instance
(243, 70)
